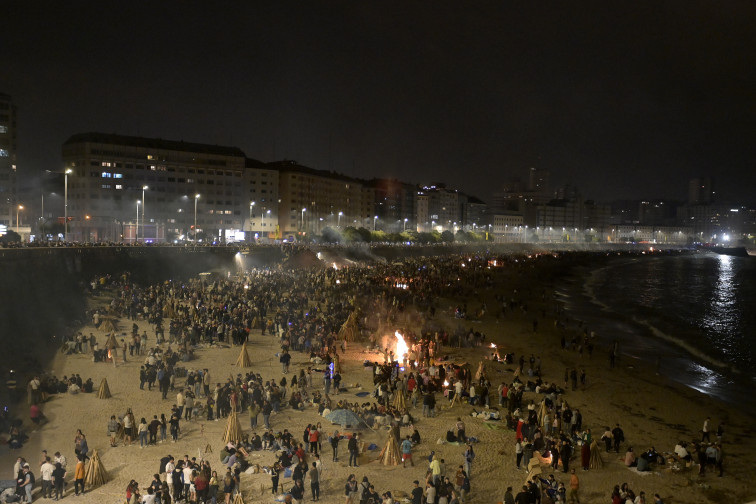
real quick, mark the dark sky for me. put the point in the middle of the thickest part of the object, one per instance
(622, 99)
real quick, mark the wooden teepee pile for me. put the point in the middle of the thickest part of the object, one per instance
(104, 391)
(238, 499)
(109, 324)
(399, 401)
(111, 342)
(244, 361)
(95, 473)
(390, 455)
(233, 432)
(596, 462)
(350, 330)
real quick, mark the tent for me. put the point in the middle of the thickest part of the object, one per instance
(344, 417)
(596, 462)
(243, 361)
(399, 401)
(390, 455)
(104, 391)
(350, 330)
(233, 432)
(95, 473)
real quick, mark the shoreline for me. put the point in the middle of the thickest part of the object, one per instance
(651, 412)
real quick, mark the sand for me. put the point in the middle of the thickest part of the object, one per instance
(651, 410)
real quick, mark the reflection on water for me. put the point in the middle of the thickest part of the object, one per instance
(721, 315)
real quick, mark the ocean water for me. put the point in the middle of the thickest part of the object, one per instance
(691, 317)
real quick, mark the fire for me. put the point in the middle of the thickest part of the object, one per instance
(401, 347)
(446, 383)
(493, 346)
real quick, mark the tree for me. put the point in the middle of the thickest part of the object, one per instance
(330, 235)
(447, 237)
(10, 237)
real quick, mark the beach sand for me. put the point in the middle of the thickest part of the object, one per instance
(651, 410)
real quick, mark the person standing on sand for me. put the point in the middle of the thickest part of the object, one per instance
(574, 487)
(618, 436)
(705, 431)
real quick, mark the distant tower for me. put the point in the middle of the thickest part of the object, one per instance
(700, 191)
(538, 180)
(8, 198)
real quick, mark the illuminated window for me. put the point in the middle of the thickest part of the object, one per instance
(3, 129)
(3, 153)
(106, 186)
(106, 174)
(118, 175)
(150, 156)
(106, 163)
(119, 186)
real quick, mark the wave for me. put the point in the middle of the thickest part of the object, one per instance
(688, 347)
(595, 279)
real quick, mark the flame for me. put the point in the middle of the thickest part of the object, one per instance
(401, 347)
(446, 383)
(493, 346)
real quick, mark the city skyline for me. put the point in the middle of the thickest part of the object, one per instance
(622, 103)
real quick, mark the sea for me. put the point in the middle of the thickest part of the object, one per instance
(689, 317)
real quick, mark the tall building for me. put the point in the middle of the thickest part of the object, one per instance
(123, 188)
(311, 200)
(438, 208)
(8, 195)
(701, 191)
(261, 183)
(394, 204)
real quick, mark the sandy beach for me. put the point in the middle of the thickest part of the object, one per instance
(651, 411)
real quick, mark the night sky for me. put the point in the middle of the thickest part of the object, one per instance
(622, 99)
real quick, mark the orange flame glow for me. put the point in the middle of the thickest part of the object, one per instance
(401, 347)
(493, 346)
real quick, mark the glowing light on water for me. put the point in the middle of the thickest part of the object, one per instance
(401, 346)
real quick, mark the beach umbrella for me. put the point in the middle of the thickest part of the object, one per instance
(344, 417)
(233, 432)
(94, 472)
(104, 390)
(244, 361)
(390, 455)
(596, 462)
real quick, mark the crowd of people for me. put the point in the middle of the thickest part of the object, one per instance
(304, 311)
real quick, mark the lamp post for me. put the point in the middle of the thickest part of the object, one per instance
(196, 198)
(375, 220)
(338, 222)
(136, 234)
(251, 204)
(303, 211)
(20, 207)
(405, 224)
(263, 219)
(144, 188)
(65, 205)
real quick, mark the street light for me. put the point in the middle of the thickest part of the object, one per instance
(144, 188)
(65, 206)
(136, 235)
(196, 198)
(20, 207)
(375, 219)
(303, 211)
(338, 224)
(263, 219)
(251, 204)
(405, 224)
